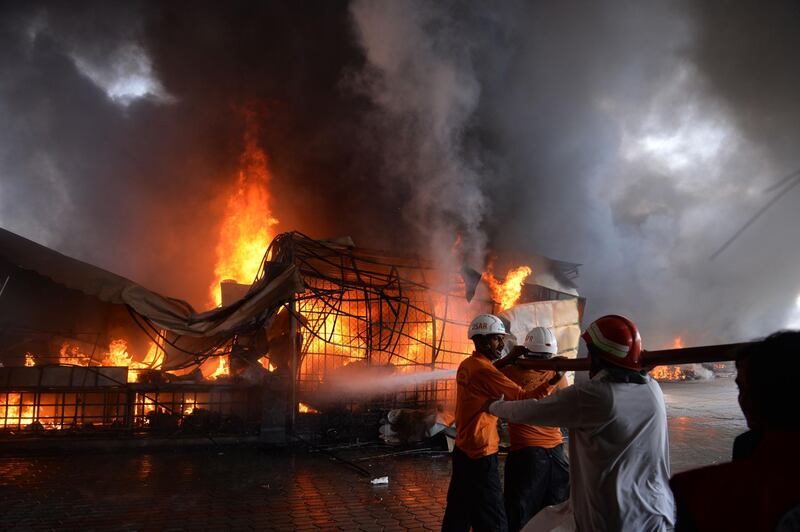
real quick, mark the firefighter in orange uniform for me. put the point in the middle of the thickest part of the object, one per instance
(475, 497)
(536, 470)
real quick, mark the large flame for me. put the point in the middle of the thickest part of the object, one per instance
(19, 411)
(248, 226)
(154, 357)
(13, 411)
(118, 354)
(72, 355)
(506, 293)
(333, 335)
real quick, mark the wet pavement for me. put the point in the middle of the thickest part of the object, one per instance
(704, 418)
(243, 488)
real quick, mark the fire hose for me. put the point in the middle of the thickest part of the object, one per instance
(650, 359)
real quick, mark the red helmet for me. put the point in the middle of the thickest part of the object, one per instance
(616, 339)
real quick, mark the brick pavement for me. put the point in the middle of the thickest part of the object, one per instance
(243, 488)
(233, 489)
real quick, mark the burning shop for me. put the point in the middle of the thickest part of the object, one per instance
(328, 337)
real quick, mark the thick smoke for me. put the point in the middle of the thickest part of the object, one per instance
(633, 138)
(123, 130)
(95, 160)
(605, 139)
(419, 74)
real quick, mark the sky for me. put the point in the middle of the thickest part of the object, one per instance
(632, 137)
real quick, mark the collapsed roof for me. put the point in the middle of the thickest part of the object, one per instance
(293, 264)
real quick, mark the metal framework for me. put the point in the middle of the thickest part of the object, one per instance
(367, 309)
(203, 408)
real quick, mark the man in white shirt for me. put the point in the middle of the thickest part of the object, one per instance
(618, 446)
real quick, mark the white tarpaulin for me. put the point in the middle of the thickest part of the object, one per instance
(165, 312)
(562, 316)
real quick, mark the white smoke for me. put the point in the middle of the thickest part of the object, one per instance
(125, 75)
(602, 143)
(419, 75)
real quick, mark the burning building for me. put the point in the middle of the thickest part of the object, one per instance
(325, 326)
(364, 314)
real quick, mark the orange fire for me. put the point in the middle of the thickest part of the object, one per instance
(223, 370)
(305, 409)
(72, 355)
(269, 366)
(248, 227)
(153, 360)
(144, 407)
(154, 357)
(670, 373)
(15, 413)
(333, 335)
(188, 406)
(507, 292)
(29, 360)
(118, 354)
(417, 350)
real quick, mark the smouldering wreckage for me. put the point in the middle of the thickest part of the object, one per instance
(361, 331)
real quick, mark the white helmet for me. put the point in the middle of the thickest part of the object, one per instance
(541, 340)
(486, 324)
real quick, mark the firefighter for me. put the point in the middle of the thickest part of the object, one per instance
(475, 498)
(618, 445)
(536, 469)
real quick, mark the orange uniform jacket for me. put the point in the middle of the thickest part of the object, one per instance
(534, 382)
(478, 380)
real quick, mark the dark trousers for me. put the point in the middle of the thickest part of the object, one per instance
(475, 497)
(535, 477)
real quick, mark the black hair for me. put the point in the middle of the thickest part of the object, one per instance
(771, 368)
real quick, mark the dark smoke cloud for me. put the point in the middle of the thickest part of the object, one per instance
(749, 53)
(634, 138)
(600, 135)
(138, 185)
(122, 186)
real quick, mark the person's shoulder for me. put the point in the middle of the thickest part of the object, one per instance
(717, 477)
(598, 393)
(471, 364)
(593, 384)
